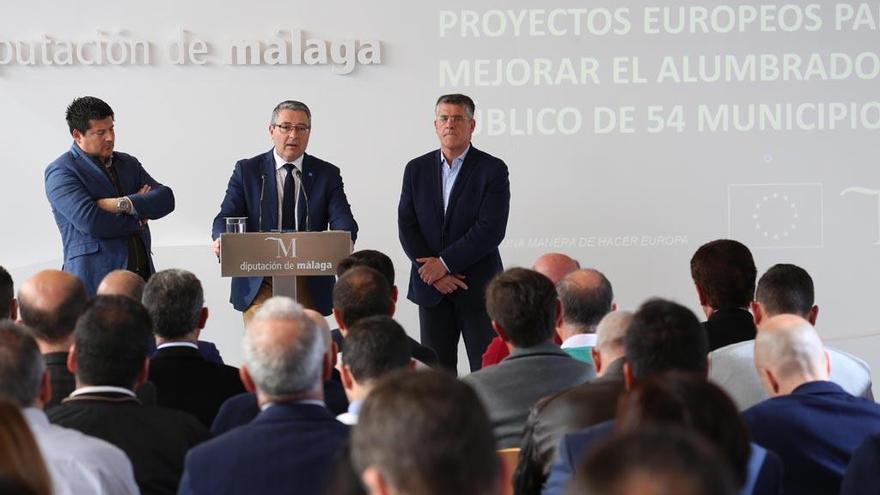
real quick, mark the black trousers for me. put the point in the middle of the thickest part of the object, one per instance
(442, 324)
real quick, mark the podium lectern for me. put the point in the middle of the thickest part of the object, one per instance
(284, 256)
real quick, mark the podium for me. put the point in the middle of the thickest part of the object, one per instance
(284, 256)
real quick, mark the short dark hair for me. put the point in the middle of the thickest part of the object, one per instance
(55, 324)
(174, 299)
(523, 302)
(585, 307)
(361, 292)
(786, 288)
(21, 365)
(694, 403)
(460, 100)
(374, 346)
(371, 258)
(427, 433)
(665, 336)
(111, 341)
(82, 111)
(679, 461)
(725, 273)
(7, 292)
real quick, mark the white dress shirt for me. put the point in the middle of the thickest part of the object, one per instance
(78, 463)
(280, 175)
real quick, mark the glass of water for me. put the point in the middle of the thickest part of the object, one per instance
(236, 225)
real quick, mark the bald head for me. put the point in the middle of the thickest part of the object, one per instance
(122, 283)
(586, 297)
(610, 335)
(50, 303)
(555, 266)
(789, 353)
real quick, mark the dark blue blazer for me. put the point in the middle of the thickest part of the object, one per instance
(328, 207)
(814, 430)
(863, 472)
(95, 241)
(288, 448)
(467, 235)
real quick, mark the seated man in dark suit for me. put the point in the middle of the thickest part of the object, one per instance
(295, 440)
(810, 422)
(663, 336)
(425, 433)
(382, 264)
(863, 472)
(7, 296)
(109, 357)
(576, 408)
(184, 379)
(524, 311)
(724, 273)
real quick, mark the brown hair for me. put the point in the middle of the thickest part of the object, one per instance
(19, 455)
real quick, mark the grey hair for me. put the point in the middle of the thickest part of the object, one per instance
(289, 364)
(297, 106)
(611, 331)
(460, 100)
(21, 364)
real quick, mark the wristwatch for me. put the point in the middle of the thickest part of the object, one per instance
(123, 205)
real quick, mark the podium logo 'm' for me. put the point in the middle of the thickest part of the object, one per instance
(284, 250)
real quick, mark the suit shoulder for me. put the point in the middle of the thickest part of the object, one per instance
(486, 158)
(124, 157)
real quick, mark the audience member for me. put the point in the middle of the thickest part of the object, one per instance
(20, 458)
(586, 297)
(109, 358)
(724, 274)
(554, 266)
(783, 289)
(50, 302)
(381, 263)
(524, 311)
(576, 408)
(77, 463)
(184, 379)
(295, 440)
(810, 422)
(241, 409)
(8, 307)
(663, 336)
(654, 461)
(862, 475)
(375, 346)
(439, 442)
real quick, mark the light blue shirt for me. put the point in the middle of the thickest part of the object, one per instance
(450, 174)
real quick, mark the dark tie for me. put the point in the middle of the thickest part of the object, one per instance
(288, 206)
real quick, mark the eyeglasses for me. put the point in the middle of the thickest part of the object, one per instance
(296, 129)
(456, 119)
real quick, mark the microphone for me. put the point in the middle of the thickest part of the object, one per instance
(262, 189)
(305, 196)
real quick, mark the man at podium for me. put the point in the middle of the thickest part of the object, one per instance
(288, 190)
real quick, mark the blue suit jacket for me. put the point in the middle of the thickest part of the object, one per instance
(288, 448)
(814, 430)
(254, 178)
(467, 235)
(862, 474)
(95, 241)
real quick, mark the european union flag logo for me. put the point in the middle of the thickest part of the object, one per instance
(775, 215)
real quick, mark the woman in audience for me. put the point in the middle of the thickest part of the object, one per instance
(20, 457)
(693, 403)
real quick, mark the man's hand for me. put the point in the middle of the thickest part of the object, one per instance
(107, 204)
(216, 247)
(450, 283)
(144, 189)
(431, 270)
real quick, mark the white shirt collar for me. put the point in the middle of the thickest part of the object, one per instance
(102, 389)
(314, 402)
(455, 161)
(580, 340)
(177, 344)
(280, 162)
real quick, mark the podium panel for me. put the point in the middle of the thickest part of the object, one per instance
(287, 254)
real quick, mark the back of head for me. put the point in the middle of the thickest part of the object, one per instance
(790, 348)
(555, 266)
(785, 288)
(375, 346)
(174, 299)
(693, 403)
(725, 272)
(21, 365)
(111, 341)
(665, 336)
(611, 330)
(84, 109)
(523, 302)
(370, 258)
(361, 292)
(20, 456)
(426, 433)
(283, 350)
(654, 461)
(122, 283)
(50, 302)
(7, 293)
(586, 297)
